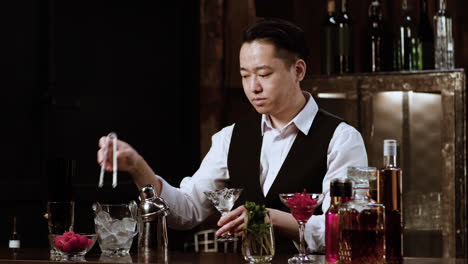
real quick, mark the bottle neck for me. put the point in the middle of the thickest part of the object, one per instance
(390, 161)
(423, 7)
(442, 5)
(375, 12)
(14, 224)
(404, 5)
(344, 6)
(335, 200)
(331, 7)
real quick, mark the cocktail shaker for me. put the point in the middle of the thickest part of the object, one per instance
(152, 212)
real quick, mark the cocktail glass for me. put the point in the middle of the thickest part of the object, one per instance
(224, 200)
(302, 206)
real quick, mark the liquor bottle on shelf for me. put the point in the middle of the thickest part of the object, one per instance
(444, 44)
(426, 39)
(362, 222)
(344, 59)
(14, 242)
(376, 36)
(329, 40)
(389, 194)
(340, 192)
(406, 55)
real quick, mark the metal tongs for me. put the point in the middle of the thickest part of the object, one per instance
(112, 136)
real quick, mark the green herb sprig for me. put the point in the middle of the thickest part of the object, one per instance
(257, 229)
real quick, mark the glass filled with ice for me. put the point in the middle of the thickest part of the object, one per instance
(116, 226)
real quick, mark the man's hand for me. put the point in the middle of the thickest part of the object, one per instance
(233, 222)
(127, 157)
(130, 161)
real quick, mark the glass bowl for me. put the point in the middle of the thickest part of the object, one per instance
(72, 246)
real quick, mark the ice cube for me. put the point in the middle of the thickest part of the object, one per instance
(104, 219)
(109, 240)
(117, 226)
(129, 224)
(124, 237)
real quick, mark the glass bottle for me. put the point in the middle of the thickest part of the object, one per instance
(389, 194)
(406, 48)
(426, 39)
(344, 60)
(332, 221)
(329, 35)
(443, 44)
(376, 36)
(340, 192)
(362, 223)
(14, 242)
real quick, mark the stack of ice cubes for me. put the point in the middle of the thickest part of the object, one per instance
(114, 234)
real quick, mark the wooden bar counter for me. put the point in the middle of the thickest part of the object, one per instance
(42, 256)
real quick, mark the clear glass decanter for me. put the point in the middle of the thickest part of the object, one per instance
(362, 222)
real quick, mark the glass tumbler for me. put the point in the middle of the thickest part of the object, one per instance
(60, 219)
(115, 225)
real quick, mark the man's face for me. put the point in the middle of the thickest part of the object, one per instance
(268, 82)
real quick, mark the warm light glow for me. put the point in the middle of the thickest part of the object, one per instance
(391, 97)
(332, 95)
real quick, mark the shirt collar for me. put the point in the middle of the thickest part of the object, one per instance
(303, 120)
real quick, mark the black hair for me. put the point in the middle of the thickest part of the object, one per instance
(288, 38)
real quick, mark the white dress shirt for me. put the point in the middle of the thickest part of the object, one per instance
(189, 206)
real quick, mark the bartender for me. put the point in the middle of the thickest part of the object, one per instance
(288, 145)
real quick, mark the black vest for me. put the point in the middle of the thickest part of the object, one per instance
(304, 167)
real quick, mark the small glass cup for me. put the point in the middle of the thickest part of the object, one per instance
(72, 246)
(115, 225)
(60, 219)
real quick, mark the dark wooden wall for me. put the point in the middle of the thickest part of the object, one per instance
(72, 71)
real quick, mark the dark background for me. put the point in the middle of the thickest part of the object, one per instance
(72, 71)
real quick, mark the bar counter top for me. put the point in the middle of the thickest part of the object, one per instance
(35, 255)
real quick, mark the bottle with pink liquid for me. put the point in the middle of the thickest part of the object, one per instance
(340, 192)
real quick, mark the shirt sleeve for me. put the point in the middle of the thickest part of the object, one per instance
(188, 204)
(346, 149)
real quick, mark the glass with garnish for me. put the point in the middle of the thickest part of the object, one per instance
(302, 207)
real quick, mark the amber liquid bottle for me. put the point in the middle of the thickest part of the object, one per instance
(389, 194)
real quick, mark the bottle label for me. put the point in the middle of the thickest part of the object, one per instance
(14, 244)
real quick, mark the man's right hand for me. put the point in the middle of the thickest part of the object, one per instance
(127, 157)
(130, 161)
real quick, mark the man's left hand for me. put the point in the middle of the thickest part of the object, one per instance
(233, 222)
